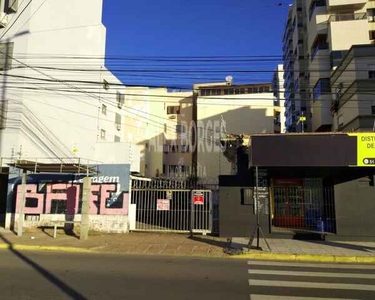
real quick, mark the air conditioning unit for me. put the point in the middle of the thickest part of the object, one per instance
(3, 20)
(172, 117)
(118, 127)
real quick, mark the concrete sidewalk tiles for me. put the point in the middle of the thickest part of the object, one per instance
(184, 245)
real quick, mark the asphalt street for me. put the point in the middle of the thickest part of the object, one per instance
(46, 275)
(42, 275)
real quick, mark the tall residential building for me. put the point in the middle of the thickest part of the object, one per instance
(330, 28)
(295, 67)
(278, 92)
(57, 99)
(353, 82)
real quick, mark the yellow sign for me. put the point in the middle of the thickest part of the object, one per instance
(365, 149)
(75, 149)
(302, 119)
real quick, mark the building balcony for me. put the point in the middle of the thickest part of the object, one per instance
(335, 3)
(347, 17)
(346, 30)
(321, 114)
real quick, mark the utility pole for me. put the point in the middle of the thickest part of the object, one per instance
(194, 135)
(21, 215)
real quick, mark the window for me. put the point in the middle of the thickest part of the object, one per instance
(102, 134)
(105, 85)
(6, 52)
(104, 109)
(371, 72)
(315, 4)
(120, 99)
(371, 15)
(173, 110)
(205, 92)
(373, 110)
(11, 6)
(322, 87)
(118, 121)
(117, 139)
(180, 128)
(173, 148)
(185, 148)
(165, 148)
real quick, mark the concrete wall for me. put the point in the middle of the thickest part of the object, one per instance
(344, 34)
(99, 223)
(355, 204)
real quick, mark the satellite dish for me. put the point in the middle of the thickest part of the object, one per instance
(229, 79)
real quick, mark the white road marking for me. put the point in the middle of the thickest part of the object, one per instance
(313, 285)
(311, 274)
(269, 297)
(310, 265)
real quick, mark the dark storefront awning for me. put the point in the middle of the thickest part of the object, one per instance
(313, 150)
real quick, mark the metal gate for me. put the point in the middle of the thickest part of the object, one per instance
(169, 205)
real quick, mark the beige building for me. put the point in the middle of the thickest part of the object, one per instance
(165, 137)
(332, 28)
(222, 109)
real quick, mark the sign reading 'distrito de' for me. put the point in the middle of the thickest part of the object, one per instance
(365, 149)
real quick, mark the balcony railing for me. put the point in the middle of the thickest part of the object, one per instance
(347, 17)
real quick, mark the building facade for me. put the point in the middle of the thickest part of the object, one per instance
(353, 82)
(225, 109)
(329, 28)
(57, 97)
(278, 92)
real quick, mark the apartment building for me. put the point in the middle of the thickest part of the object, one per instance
(225, 109)
(331, 28)
(295, 68)
(55, 102)
(278, 92)
(353, 82)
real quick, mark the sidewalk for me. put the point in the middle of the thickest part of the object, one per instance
(302, 250)
(184, 245)
(132, 243)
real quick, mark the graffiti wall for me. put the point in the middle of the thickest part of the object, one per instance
(61, 195)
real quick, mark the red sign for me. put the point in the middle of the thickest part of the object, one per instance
(198, 199)
(163, 204)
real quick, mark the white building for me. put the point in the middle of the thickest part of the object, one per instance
(57, 98)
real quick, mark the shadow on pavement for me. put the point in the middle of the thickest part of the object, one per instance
(46, 274)
(209, 241)
(345, 246)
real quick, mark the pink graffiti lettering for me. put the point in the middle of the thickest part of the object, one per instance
(31, 193)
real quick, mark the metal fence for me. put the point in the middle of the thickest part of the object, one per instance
(171, 205)
(311, 209)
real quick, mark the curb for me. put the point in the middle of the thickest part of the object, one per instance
(45, 248)
(307, 258)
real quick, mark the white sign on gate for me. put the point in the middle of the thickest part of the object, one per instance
(163, 204)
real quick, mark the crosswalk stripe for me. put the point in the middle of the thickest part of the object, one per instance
(270, 297)
(311, 274)
(316, 285)
(309, 265)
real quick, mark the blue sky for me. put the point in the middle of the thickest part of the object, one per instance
(192, 28)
